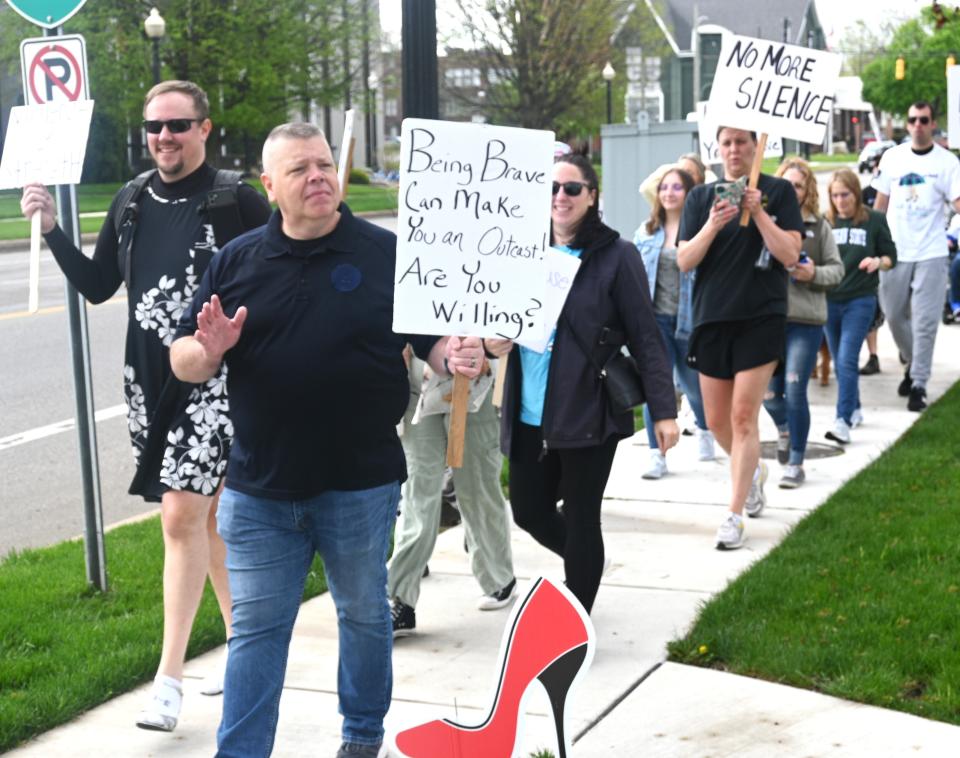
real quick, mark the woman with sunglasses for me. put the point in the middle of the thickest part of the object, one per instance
(558, 430)
(672, 294)
(866, 247)
(818, 270)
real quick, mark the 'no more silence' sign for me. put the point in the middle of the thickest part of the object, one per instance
(774, 88)
(473, 229)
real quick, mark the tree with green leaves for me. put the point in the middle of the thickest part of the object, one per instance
(542, 58)
(924, 44)
(258, 60)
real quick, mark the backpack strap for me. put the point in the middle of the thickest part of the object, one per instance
(222, 207)
(125, 221)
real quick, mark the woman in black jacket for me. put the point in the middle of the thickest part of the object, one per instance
(558, 430)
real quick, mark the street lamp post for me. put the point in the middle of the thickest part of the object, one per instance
(608, 75)
(373, 81)
(155, 26)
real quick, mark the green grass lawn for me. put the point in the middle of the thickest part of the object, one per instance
(65, 648)
(861, 600)
(96, 198)
(818, 161)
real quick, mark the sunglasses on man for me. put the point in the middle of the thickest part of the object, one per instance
(922, 119)
(571, 189)
(174, 125)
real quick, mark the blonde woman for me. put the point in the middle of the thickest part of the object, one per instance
(818, 270)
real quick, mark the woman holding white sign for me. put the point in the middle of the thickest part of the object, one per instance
(558, 429)
(740, 308)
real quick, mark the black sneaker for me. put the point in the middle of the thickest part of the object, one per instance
(918, 399)
(498, 599)
(404, 619)
(905, 384)
(871, 367)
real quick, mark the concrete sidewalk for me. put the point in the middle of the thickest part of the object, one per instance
(660, 538)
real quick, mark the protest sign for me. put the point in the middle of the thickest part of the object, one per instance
(710, 147)
(561, 268)
(953, 107)
(774, 88)
(346, 151)
(473, 228)
(46, 144)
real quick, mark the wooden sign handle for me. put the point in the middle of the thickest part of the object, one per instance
(33, 298)
(499, 380)
(458, 420)
(755, 173)
(346, 178)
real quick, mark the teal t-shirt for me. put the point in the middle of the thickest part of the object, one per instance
(535, 368)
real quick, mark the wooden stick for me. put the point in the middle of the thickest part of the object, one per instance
(33, 299)
(755, 173)
(458, 420)
(498, 382)
(346, 179)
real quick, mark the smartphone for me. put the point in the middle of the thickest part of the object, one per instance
(725, 191)
(803, 258)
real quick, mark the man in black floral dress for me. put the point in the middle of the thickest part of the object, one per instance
(180, 433)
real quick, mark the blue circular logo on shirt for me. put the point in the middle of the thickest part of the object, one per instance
(345, 277)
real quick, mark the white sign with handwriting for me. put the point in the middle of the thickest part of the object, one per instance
(561, 268)
(710, 147)
(774, 88)
(473, 228)
(45, 143)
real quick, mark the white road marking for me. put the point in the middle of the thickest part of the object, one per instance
(40, 432)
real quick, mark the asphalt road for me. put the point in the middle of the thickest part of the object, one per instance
(40, 487)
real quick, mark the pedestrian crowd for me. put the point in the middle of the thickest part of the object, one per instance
(725, 294)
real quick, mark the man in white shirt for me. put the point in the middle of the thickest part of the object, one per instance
(913, 185)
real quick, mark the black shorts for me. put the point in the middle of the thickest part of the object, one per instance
(724, 348)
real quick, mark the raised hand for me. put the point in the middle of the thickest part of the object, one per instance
(215, 332)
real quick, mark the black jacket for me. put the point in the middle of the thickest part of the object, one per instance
(610, 290)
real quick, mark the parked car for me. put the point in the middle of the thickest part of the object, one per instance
(870, 155)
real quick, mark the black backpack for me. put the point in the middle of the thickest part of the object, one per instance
(221, 207)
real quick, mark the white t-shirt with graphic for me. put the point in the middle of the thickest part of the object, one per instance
(919, 187)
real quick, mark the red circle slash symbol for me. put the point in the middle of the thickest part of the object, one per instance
(52, 78)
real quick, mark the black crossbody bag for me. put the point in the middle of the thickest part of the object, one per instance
(620, 375)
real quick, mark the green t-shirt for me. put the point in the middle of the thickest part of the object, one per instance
(869, 239)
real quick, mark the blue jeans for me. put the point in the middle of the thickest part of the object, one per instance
(847, 325)
(270, 546)
(688, 378)
(788, 407)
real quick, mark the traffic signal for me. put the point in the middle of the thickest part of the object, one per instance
(951, 61)
(854, 120)
(900, 71)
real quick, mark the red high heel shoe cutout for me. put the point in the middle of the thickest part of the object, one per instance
(548, 638)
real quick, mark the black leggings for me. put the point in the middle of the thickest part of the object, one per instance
(577, 476)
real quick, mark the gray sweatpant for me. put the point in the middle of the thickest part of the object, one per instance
(486, 519)
(912, 295)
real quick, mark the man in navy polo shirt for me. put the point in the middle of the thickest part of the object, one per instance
(317, 385)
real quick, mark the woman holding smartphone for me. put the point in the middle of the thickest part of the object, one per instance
(818, 270)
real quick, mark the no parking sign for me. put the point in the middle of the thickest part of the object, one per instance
(54, 69)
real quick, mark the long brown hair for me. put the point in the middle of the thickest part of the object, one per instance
(851, 181)
(658, 215)
(811, 196)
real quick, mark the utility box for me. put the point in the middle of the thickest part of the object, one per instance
(630, 153)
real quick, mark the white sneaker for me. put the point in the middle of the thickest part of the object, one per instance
(730, 533)
(163, 708)
(707, 451)
(856, 418)
(498, 599)
(793, 477)
(840, 432)
(658, 466)
(212, 684)
(756, 499)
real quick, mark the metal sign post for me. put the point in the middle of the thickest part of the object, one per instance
(83, 391)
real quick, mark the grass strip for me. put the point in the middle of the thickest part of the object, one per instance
(65, 648)
(96, 198)
(860, 601)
